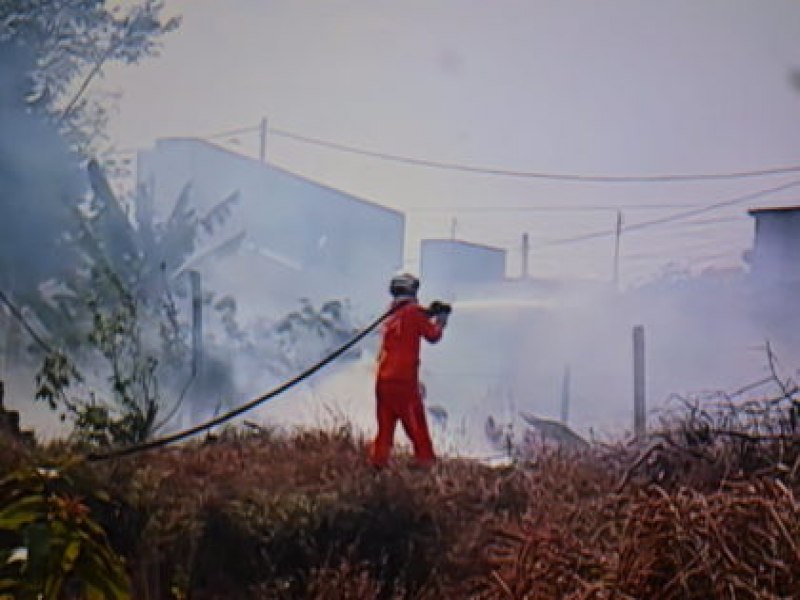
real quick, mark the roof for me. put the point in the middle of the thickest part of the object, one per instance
(463, 243)
(776, 209)
(269, 166)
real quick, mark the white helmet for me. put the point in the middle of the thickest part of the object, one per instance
(404, 284)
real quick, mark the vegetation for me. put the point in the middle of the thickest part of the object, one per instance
(66, 259)
(68, 44)
(53, 548)
(50, 53)
(706, 508)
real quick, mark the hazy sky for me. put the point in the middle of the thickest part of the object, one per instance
(568, 87)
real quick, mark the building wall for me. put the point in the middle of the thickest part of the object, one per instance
(452, 268)
(319, 231)
(776, 250)
(462, 262)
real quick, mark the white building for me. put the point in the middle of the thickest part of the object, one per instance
(297, 238)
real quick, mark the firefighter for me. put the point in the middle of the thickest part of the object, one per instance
(397, 387)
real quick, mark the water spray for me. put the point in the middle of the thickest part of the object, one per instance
(499, 303)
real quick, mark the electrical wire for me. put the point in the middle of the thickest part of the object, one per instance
(229, 132)
(669, 177)
(553, 176)
(210, 136)
(676, 216)
(660, 178)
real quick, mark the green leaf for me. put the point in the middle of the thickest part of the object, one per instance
(23, 478)
(71, 553)
(110, 581)
(38, 540)
(52, 586)
(22, 512)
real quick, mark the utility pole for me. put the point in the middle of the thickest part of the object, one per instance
(526, 249)
(639, 423)
(262, 152)
(453, 223)
(616, 249)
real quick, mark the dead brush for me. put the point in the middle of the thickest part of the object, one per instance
(276, 508)
(564, 544)
(738, 542)
(709, 439)
(706, 509)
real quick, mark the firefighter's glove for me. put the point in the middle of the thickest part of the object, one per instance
(440, 311)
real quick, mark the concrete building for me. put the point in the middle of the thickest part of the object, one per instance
(775, 256)
(450, 266)
(295, 238)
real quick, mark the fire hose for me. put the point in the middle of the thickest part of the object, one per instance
(435, 309)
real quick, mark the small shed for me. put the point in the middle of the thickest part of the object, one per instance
(776, 246)
(456, 261)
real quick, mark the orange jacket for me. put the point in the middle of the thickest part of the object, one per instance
(399, 356)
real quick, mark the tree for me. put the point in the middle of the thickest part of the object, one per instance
(120, 300)
(50, 52)
(70, 42)
(38, 179)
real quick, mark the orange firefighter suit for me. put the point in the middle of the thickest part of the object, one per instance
(397, 387)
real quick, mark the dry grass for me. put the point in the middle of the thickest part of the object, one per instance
(706, 509)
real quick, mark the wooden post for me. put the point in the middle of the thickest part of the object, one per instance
(262, 150)
(639, 422)
(197, 322)
(526, 249)
(616, 249)
(565, 396)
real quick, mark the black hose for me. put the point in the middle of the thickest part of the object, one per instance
(181, 435)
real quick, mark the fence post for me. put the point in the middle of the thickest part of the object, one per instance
(639, 422)
(565, 396)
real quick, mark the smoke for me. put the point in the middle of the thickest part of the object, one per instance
(38, 180)
(506, 348)
(506, 355)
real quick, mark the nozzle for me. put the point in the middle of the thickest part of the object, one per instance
(437, 307)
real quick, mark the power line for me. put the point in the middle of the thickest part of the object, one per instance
(608, 233)
(210, 136)
(663, 178)
(701, 245)
(676, 216)
(229, 132)
(722, 204)
(704, 222)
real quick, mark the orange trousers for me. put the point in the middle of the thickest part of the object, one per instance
(400, 400)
